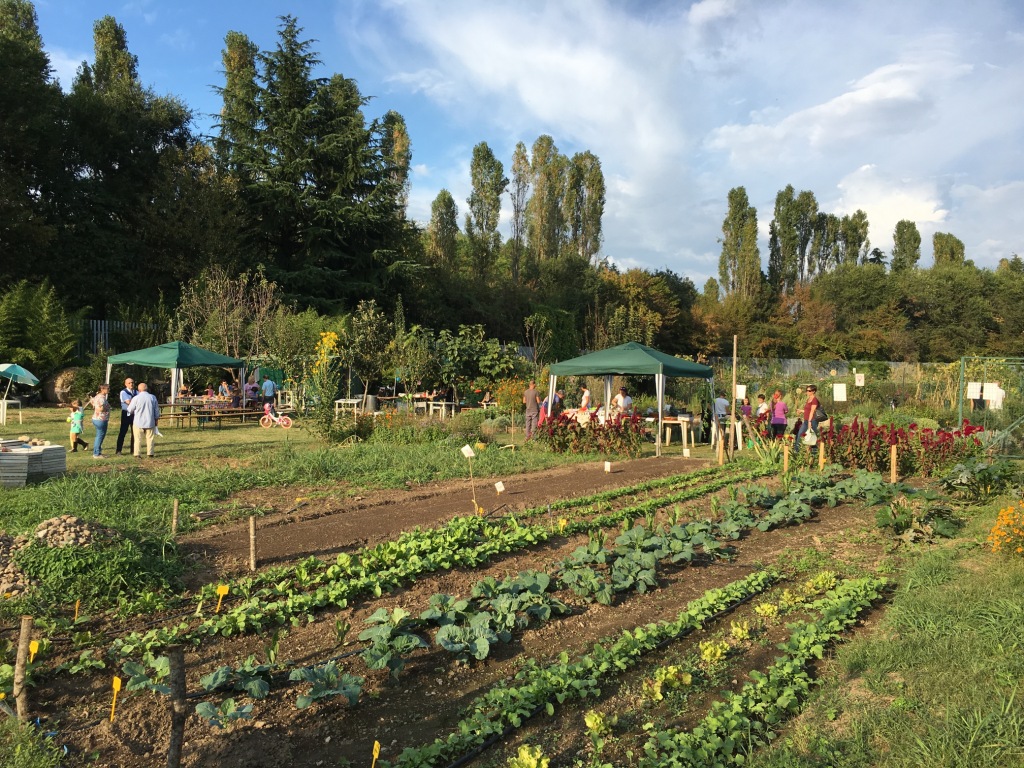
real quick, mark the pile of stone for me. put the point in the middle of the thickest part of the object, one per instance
(63, 531)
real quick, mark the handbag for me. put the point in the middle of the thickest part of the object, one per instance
(819, 414)
(810, 438)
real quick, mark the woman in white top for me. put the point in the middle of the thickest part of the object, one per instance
(585, 401)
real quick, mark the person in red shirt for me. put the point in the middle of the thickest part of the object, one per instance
(810, 424)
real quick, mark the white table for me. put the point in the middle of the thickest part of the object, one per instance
(346, 404)
(442, 407)
(3, 410)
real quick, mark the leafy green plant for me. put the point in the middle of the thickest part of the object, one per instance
(978, 479)
(326, 681)
(224, 714)
(392, 637)
(251, 677)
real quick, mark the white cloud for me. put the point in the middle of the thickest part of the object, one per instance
(65, 65)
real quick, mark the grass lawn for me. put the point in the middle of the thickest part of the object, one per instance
(935, 682)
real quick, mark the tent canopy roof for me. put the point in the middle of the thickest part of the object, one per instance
(175, 354)
(630, 359)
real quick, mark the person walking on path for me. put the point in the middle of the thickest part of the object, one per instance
(531, 399)
(100, 419)
(127, 394)
(146, 411)
(780, 415)
(810, 422)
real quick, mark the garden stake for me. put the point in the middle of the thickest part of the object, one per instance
(821, 458)
(376, 753)
(179, 712)
(892, 464)
(469, 454)
(113, 703)
(252, 542)
(20, 691)
(785, 456)
(78, 603)
(174, 519)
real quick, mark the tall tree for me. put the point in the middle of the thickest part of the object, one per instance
(546, 221)
(520, 194)
(853, 237)
(30, 104)
(584, 204)
(947, 249)
(397, 150)
(443, 231)
(739, 266)
(240, 114)
(488, 180)
(906, 246)
(824, 253)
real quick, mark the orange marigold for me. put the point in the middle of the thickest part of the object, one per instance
(1007, 535)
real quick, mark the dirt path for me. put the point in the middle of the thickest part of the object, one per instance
(333, 524)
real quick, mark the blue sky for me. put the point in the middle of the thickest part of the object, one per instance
(906, 109)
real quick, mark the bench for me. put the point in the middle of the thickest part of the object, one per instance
(179, 419)
(219, 415)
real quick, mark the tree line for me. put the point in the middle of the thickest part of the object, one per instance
(113, 205)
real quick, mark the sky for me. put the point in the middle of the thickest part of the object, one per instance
(907, 109)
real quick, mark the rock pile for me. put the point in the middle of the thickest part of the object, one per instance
(63, 531)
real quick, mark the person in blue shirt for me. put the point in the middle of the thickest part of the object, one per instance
(269, 390)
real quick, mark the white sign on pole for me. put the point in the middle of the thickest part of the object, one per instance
(468, 452)
(858, 379)
(839, 393)
(499, 487)
(973, 390)
(741, 391)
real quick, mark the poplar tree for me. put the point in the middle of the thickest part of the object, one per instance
(584, 205)
(739, 266)
(906, 248)
(947, 249)
(520, 193)
(488, 184)
(546, 221)
(443, 231)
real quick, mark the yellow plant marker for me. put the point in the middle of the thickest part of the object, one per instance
(376, 753)
(562, 522)
(113, 703)
(222, 589)
(78, 604)
(480, 510)
(33, 649)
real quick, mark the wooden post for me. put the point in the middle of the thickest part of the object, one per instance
(785, 456)
(179, 710)
(821, 455)
(732, 399)
(719, 434)
(892, 464)
(174, 519)
(20, 691)
(252, 542)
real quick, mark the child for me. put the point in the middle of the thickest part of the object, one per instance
(75, 419)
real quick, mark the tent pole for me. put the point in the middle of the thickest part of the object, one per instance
(659, 386)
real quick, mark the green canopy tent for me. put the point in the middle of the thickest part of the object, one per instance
(176, 355)
(630, 359)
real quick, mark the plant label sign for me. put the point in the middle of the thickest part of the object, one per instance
(839, 393)
(468, 452)
(33, 649)
(113, 703)
(741, 391)
(222, 590)
(376, 753)
(858, 379)
(499, 487)
(607, 466)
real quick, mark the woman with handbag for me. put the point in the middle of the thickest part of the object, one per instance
(813, 413)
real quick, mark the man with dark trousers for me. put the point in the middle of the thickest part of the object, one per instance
(127, 394)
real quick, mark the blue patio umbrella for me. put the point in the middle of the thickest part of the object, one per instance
(15, 373)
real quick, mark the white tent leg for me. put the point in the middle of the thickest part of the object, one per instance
(109, 367)
(608, 397)
(659, 386)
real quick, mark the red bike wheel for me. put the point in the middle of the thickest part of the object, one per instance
(266, 422)
(285, 422)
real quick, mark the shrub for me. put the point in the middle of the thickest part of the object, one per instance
(622, 437)
(923, 451)
(1007, 534)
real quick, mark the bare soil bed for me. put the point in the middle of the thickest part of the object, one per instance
(427, 699)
